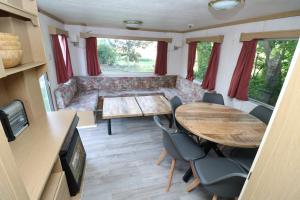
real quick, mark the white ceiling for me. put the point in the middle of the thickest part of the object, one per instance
(158, 14)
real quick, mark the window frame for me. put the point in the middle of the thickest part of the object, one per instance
(117, 74)
(199, 81)
(251, 99)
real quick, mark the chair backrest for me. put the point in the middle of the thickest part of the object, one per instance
(167, 141)
(263, 113)
(213, 98)
(175, 102)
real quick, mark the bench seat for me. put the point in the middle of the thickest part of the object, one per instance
(81, 93)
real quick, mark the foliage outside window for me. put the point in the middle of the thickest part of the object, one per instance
(202, 58)
(272, 61)
(126, 56)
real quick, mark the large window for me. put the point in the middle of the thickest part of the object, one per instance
(202, 59)
(272, 61)
(126, 56)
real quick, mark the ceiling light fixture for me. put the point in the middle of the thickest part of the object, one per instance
(133, 24)
(225, 4)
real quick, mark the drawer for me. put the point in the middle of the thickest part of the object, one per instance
(56, 188)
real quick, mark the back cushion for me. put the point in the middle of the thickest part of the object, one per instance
(130, 83)
(65, 93)
(86, 83)
(193, 90)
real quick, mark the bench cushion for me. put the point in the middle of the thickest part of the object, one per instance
(65, 93)
(84, 101)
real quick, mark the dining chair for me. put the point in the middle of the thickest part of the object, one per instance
(221, 177)
(244, 156)
(175, 102)
(213, 98)
(179, 146)
(263, 113)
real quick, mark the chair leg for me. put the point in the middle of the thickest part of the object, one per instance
(193, 185)
(215, 197)
(162, 156)
(196, 181)
(170, 175)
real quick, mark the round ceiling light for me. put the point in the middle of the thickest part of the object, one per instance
(225, 4)
(133, 24)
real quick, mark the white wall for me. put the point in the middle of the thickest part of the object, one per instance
(45, 22)
(78, 53)
(230, 50)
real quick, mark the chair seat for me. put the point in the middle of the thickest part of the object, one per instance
(244, 157)
(187, 147)
(211, 170)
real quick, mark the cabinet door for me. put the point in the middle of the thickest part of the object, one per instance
(63, 190)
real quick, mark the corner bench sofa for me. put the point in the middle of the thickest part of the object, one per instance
(82, 93)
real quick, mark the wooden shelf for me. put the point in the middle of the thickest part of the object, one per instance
(20, 68)
(11, 10)
(36, 149)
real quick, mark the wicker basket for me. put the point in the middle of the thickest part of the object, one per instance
(10, 50)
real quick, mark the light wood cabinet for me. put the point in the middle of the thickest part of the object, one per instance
(56, 188)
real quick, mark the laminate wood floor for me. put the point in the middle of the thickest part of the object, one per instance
(122, 166)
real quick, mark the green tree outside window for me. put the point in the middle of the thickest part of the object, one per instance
(271, 64)
(202, 58)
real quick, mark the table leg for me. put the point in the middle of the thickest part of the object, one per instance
(188, 174)
(109, 126)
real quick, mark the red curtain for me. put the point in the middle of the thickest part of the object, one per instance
(191, 60)
(62, 74)
(242, 73)
(68, 57)
(93, 67)
(161, 58)
(209, 80)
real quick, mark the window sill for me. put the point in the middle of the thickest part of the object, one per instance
(261, 103)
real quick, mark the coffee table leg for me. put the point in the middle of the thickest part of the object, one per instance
(109, 126)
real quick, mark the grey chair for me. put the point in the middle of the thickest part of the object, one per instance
(179, 146)
(175, 102)
(221, 177)
(213, 98)
(244, 156)
(263, 113)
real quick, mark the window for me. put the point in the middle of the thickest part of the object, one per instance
(126, 56)
(45, 89)
(202, 58)
(271, 64)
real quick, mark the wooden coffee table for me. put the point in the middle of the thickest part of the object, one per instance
(154, 105)
(125, 107)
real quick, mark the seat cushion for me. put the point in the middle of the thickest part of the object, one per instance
(84, 101)
(187, 147)
(211, 169)
(244, 156)
(128, 93)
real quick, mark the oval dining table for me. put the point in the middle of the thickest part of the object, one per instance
(220, 124)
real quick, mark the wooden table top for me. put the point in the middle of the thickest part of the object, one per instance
(154, 105)
(118, 107)
(221, 124)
